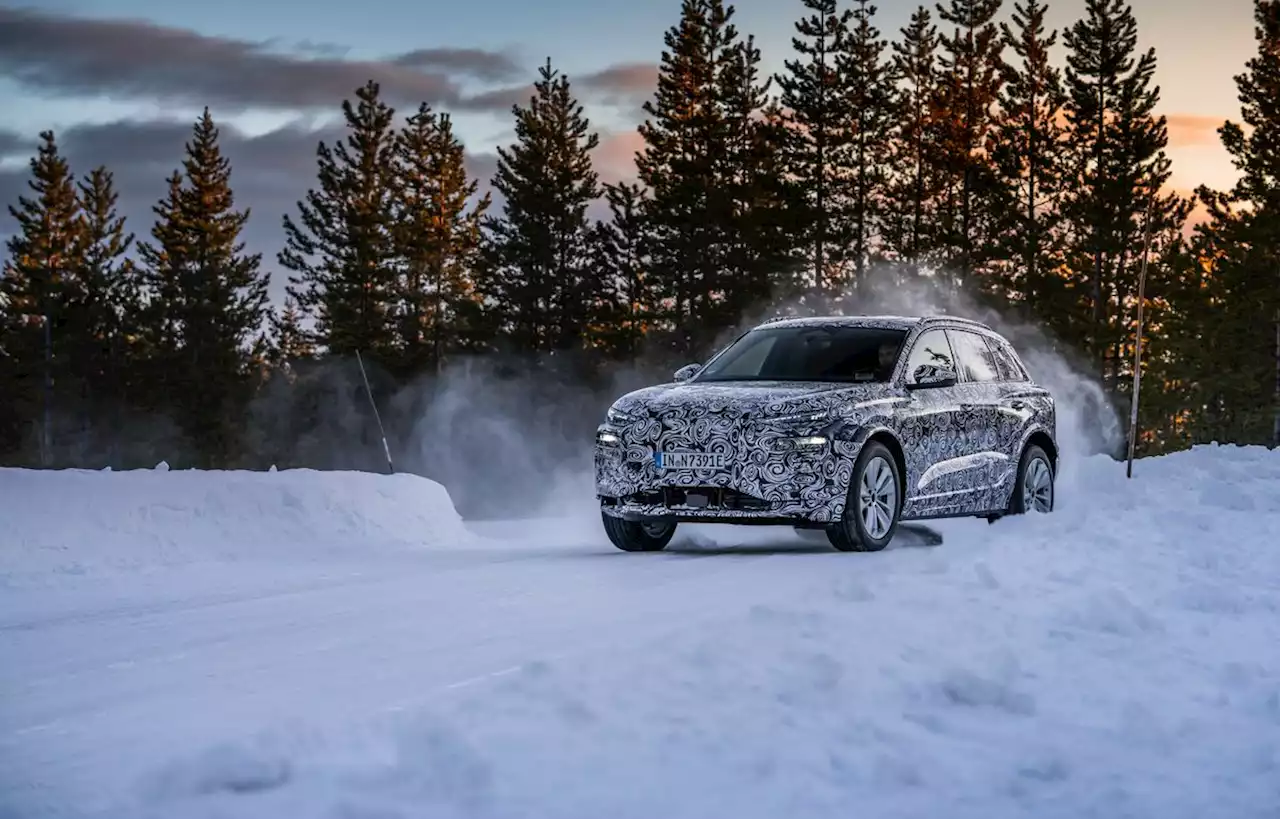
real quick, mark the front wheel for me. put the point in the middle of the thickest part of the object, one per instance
(633, 536)
(874, 505)
(1034, 490)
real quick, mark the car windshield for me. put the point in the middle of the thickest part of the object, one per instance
(809, 353)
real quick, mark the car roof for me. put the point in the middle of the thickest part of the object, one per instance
(885, 322)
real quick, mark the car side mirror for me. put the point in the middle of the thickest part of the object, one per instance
(929, 376)
(686, 372)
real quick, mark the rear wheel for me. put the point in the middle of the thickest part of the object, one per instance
(874, 505)
(633, 536)
(1034, 490)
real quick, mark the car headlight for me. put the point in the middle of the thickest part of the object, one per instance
(805, 443)
(809, 417)
(618, 418)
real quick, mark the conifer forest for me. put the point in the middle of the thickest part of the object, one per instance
(974, 150)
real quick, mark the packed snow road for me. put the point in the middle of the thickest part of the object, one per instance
(302, 645)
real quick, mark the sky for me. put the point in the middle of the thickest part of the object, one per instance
(121, 81)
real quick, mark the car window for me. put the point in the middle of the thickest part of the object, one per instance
(745, 358)
(809, 353)
(974, 357)
(1006, 361)
(931, 350)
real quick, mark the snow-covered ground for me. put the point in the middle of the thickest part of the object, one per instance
(301, 645)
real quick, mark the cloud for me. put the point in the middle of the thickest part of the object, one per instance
(1187, 130)
(141, 60)
(11, 143)
(615, 157)
(309, 47)
(625, 84)
(499, 99)
(79, 57)
(475, 62)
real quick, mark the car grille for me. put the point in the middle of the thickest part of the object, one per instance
(700, 497)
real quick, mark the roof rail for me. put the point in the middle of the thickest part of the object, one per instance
(939, 317)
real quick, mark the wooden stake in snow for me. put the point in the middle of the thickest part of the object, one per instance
(1137, 344)
(369, 392)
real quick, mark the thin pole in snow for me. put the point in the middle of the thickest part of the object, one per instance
(369, 392)
(1137, 346)
(46, 435)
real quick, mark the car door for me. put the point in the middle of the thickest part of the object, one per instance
(930, 430)
(1019, 402)
(982, 421)
(1013, 395)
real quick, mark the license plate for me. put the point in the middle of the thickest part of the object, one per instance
(690, 460)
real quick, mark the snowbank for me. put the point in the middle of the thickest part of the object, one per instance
(80, 521)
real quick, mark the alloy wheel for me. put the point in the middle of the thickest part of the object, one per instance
(877, 497)
(1037, 487)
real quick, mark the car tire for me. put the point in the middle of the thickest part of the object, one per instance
(1034, 489)
(633, 536)
(851, 534)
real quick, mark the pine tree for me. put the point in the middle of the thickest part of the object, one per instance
(1029, 157)
(212, 295)
(1205, 324)
(971, 69)
(622, 253)
(1238, 323)
(871, 86)
(753, 199)
(1118, 169)
(818, 101)
(718, 204)
(288, 342)
(537, 277)
(913, 189)
(682, 135)
(342, 249)
(111, 312)
(773, 270)
(437, 240)
(40, 286)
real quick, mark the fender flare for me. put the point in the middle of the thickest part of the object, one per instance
(1055, 456)
(858, 440)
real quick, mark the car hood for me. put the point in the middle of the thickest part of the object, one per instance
(760, 399)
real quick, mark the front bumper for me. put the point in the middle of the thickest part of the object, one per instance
(798, 488)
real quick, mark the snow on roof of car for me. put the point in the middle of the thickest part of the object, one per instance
(885, 322)
(851, 321)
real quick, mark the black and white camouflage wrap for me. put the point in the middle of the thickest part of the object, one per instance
(961, 444)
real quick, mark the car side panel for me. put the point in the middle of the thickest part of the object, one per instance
(934, 433)
(935, 446)
(968, 464)
(1021, 412)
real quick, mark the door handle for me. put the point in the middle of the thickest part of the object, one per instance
(1017, 403)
